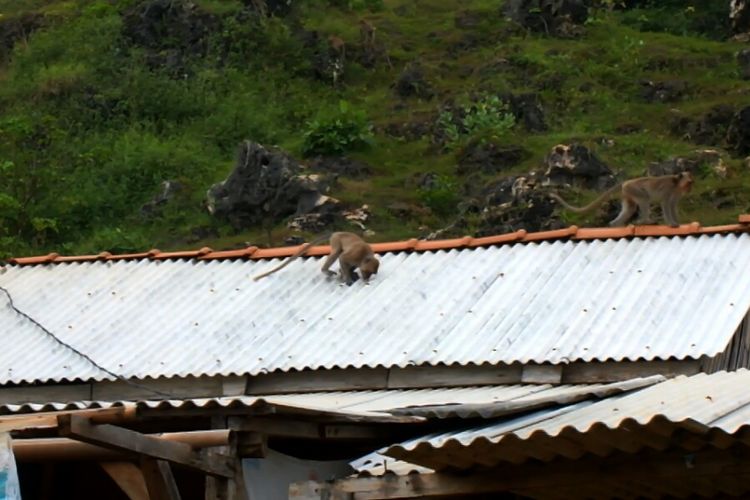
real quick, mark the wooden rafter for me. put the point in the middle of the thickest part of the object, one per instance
(48, 420)
(54, 449)
(118, 438)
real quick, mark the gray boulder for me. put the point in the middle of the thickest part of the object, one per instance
(266, 183)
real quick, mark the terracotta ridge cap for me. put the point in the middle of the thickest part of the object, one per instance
(411, 245)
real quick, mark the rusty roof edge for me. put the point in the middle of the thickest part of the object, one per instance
(412, 245)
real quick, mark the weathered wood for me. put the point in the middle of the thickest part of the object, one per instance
(188, 387)
(231, 488)
(351, 379)
(318, 380)
(159, 479)
(128, 477)
(310, 430)
(541, 374)
(457, 376)
(176, 387)
(48, 420)
(64, 449)
(590, 373)
(252, 445)
(452, 376)
(118, 438)
(45, 393)
(234, 385)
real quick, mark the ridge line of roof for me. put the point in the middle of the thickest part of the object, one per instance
(520, 236)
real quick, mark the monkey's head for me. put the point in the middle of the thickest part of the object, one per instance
(684, 181)
(369, 267)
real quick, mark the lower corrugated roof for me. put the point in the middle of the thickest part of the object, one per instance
(454, 402)
(542, 302)
(713, 407)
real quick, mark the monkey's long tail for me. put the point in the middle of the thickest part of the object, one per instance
(289, 260)
(590, 206)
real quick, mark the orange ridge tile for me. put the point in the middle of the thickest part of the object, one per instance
(551, 235)
(278, 252)
(77, 258)
(394, 246)
(604, 233)
(729, 228)
(184, 254)
(229, 254)
(426, 245)
(660, 230)
(128, 256)
(39, 259)
(501, 238)
(521, 235)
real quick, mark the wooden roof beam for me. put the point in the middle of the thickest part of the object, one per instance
(118, 438)
(63, 449)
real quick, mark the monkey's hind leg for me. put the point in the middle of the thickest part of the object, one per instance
(626, 212)
(669, 210)
(644, 211)
(346, 271)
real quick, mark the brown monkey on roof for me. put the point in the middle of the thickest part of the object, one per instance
(351, 251)
(638, 194)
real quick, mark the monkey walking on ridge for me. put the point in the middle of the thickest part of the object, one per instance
(639, 194)
(351, 251)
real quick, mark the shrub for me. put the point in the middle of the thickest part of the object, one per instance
(487, 118)
(347, 130)
(441, 196)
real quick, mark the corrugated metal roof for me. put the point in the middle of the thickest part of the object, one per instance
(713, 406)
(461, 402)
(643, 298)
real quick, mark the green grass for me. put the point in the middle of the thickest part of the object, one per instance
(89, 127)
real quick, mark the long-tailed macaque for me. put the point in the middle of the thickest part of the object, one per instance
(367, 40)
(351, 251)
(337, 46)
(639, 194)
(366, 33)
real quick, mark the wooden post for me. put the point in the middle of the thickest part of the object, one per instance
(159, 479)
(233, 488)
(128, 477)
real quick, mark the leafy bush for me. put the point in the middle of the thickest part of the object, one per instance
(441, 196)
(347, 130)
(487, 118)
(708, 18)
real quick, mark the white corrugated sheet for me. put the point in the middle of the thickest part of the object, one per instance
(705, 404)
(668, 297)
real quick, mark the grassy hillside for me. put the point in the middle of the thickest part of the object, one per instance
(94, 114)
